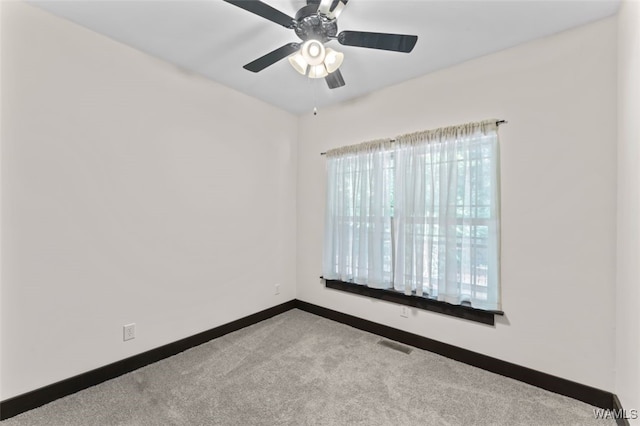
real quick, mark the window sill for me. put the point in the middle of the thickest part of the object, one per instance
(458, 311)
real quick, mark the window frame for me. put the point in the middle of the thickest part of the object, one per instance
(420, 302)
(420, 299)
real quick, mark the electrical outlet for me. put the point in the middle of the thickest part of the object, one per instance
(129, 332)
(404, 312)
(277, 289)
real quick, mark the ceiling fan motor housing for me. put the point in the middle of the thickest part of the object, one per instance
(312, 25)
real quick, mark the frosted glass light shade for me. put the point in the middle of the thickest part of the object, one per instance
(313, 52)
(298, 62)
(337, 10)
(314, 68)
(318, 71)
(325, 7)
(333, 60)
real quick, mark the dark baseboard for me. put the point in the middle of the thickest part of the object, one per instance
(578, 391)
(617, 406)
(36, 398)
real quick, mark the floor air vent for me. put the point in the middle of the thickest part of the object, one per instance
(396, 346)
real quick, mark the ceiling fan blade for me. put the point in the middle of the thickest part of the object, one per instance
(272, 57)
(264, 10)
(335, 80)
(394, 42)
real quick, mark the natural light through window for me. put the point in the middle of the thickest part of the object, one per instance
(419, 216)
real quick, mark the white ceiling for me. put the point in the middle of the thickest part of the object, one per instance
(216, 39)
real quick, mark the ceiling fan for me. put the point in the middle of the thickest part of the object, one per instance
(315, 24)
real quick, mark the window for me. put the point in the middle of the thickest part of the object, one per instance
(419, 216)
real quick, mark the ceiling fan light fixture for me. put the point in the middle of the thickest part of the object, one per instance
(313, 52)
(337, 10)
(318, 71)
(314, 24)
(333, 60)
(325, 7)
(298, 63)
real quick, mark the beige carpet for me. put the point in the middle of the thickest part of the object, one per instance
(301, 369)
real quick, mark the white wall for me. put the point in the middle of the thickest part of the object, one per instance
(558, 196)
(131, 192)
(628, 268)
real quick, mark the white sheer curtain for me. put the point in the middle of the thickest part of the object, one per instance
(358, 243)
(446, 209)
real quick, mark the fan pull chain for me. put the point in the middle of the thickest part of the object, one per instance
(315, 96)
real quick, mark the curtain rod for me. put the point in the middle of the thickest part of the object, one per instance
(499, 122)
